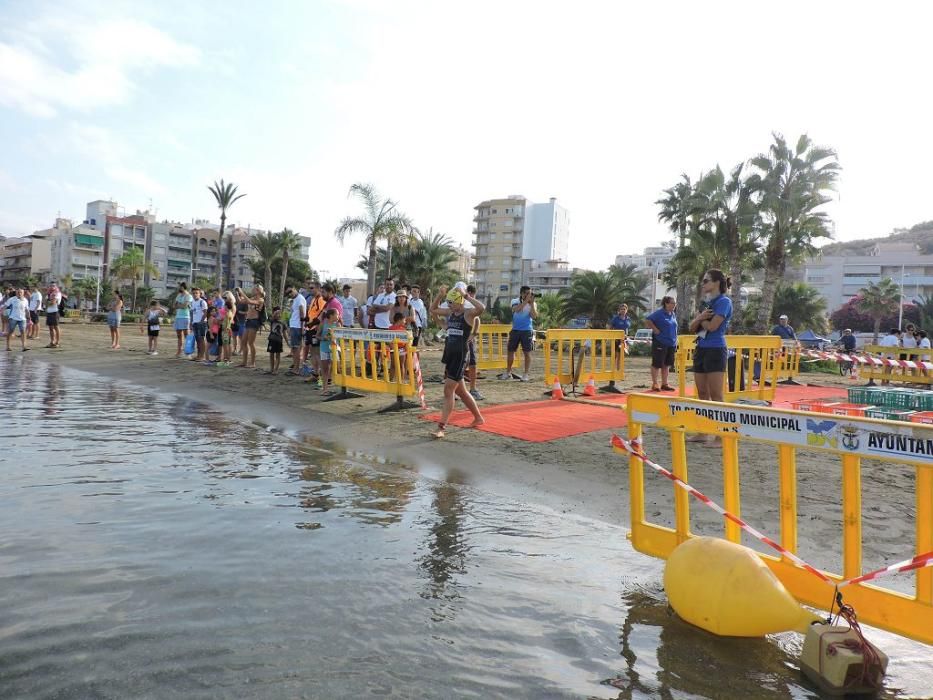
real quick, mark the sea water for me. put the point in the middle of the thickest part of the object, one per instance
(154, 548)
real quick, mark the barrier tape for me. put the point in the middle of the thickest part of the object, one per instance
(867, 359)
(633, 447)
(420, 380)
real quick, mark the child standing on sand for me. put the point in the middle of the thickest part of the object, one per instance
(276, 340)
(330, 320)
(152, 321)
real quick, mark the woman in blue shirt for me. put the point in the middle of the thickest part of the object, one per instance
(710, 324)
(663, 325)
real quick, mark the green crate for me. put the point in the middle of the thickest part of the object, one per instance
(899, 398)
(923, 401)
(889, 414)
(867, 395)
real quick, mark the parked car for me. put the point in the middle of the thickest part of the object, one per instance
(642, 335)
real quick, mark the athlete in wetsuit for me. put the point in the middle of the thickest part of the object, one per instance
(456, 355)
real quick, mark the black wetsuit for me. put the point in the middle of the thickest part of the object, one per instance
(455, 349)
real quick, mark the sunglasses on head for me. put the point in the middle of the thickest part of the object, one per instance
(706, 279)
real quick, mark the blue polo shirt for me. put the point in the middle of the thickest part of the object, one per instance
(786, 332)
(620, 323)
(521, 319)
(667, 324)
(721, 306)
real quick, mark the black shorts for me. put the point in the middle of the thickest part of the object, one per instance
(311, 339)
(523, 338)
(154, 333)
(661, 355)
(471, 352)
(455, 365)
(51, 319)
(200, 329)
(708, 360)
(34, 316)
(274, 346)
(416, 335)
(252, 324)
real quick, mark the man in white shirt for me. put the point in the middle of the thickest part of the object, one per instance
(349, 305)
(421, 313)
(19, 307)
(382, 305)
(891, 340)
(199, 322)
(296, 322)
(35, 306)
(367, 318)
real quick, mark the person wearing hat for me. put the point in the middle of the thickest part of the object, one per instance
(784, 329)
(350, 305)
(847, 340)
(456, 353)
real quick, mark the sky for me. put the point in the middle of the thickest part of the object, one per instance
(442, 105)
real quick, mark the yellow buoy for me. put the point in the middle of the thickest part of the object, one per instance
(728, 590)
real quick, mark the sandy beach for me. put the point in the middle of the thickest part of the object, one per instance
(578, 475)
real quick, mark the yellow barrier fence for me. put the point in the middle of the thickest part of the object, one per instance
(851, 439)
(753, 354)
(491, 345)
(376, 361)
(789, 366)
(896, 373)
(572, 356)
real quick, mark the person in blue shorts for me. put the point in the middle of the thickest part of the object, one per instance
(663, 325)
(710, 325)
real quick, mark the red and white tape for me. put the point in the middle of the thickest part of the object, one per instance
(420, 380)
(634, 448)
(867, 359)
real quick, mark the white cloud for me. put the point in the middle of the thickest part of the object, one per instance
(69, 62)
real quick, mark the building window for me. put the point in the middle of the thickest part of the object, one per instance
(494, 211)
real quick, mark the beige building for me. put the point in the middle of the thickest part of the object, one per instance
(24, 257)
(463, 265)
(549, 277)
(498, 241)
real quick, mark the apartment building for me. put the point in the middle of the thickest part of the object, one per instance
(839, 277)
(548, 277)
(652, 262)
(463, 265)
(21, 258)
(512, 234)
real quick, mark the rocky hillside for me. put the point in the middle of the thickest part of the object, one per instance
(920, 234)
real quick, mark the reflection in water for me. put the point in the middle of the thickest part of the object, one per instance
(153, 548)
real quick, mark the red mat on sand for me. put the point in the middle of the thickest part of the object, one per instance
(542, 421)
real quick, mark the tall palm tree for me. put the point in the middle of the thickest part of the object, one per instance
(708, 249)
(794, 183)
(381, 220)
(288, 243)
(132, 266)
(676, 209)
(727, 204)
(226, 195)
(84, 288)
(630, 284)
(879, 300)
(266, 246)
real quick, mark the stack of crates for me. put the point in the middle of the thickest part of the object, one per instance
(923, 404)
(894, 403)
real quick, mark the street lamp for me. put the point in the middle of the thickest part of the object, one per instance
(900, 306)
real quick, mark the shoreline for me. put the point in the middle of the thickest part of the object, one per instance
(578, 475)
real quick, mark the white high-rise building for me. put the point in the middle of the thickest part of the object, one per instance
(547, 232)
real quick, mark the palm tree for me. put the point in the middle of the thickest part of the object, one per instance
(727, 205)
(288, 243)
(630, 284)
(132, 265)
(381, 221)
(794, 185)
(925, 311)
(397, 235)
(551, 312)
(85, 288)
(708, 249)
(597, 295)
(803, 304)
(676, 208)
(225, 194)
(266, 246)
(879, 300)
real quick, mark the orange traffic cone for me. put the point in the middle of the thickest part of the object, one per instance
(590, 388)
(556, 392)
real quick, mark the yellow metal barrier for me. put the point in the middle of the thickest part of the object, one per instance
(789, 365)
(897, 374)
(373, 360)
(572, 355)
(491, 345)
(851, 439)
(752, 354)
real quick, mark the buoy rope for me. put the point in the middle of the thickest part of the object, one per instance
(867, 359)
(872, 670)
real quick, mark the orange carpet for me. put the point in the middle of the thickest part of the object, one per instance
(542, 421)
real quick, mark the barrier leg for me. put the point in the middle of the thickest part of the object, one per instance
(400, 405)
(344, 394)
(611, 388)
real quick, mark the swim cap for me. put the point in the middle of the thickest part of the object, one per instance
(455, 296)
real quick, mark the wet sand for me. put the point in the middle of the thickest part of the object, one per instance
(578, 475)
